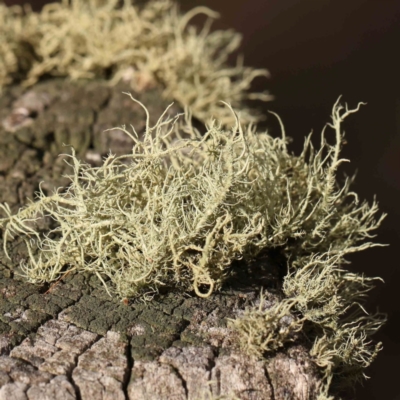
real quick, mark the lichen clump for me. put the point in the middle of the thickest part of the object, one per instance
(182, 206)
(144, 45)
(178, 211)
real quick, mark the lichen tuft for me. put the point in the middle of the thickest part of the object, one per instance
(182, 206)
(144, 45)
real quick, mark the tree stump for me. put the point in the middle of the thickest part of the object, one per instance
(70, 340)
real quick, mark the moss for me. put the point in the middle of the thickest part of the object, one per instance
(145, 45)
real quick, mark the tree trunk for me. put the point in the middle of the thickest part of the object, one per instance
(70, 340)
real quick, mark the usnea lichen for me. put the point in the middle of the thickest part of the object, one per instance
(148, 44)
(144, 224)
(177, 211)
(182, 206)
(321, 299)
(324, 302)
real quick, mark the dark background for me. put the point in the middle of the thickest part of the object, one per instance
(315, 51)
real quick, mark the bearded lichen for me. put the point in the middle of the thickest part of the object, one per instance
(182, 206)
(318, 223)
(144, 45)
(161, 215)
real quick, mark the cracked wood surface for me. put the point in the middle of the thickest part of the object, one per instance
(71, 340)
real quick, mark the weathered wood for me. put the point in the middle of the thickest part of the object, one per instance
(71, 340)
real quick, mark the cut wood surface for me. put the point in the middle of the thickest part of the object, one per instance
(70, 340)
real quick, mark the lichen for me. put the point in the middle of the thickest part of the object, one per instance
(182, 206)
(176, 212)
(144, 224)
(153, 43)
(321, 298)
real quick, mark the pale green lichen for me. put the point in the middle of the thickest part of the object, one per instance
(323, 301)
(178, 212)
(320, 223)
(265, 328)
(143, 45)
(182, 206)
(145, 224)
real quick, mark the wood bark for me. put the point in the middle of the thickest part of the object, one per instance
(71, 340)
